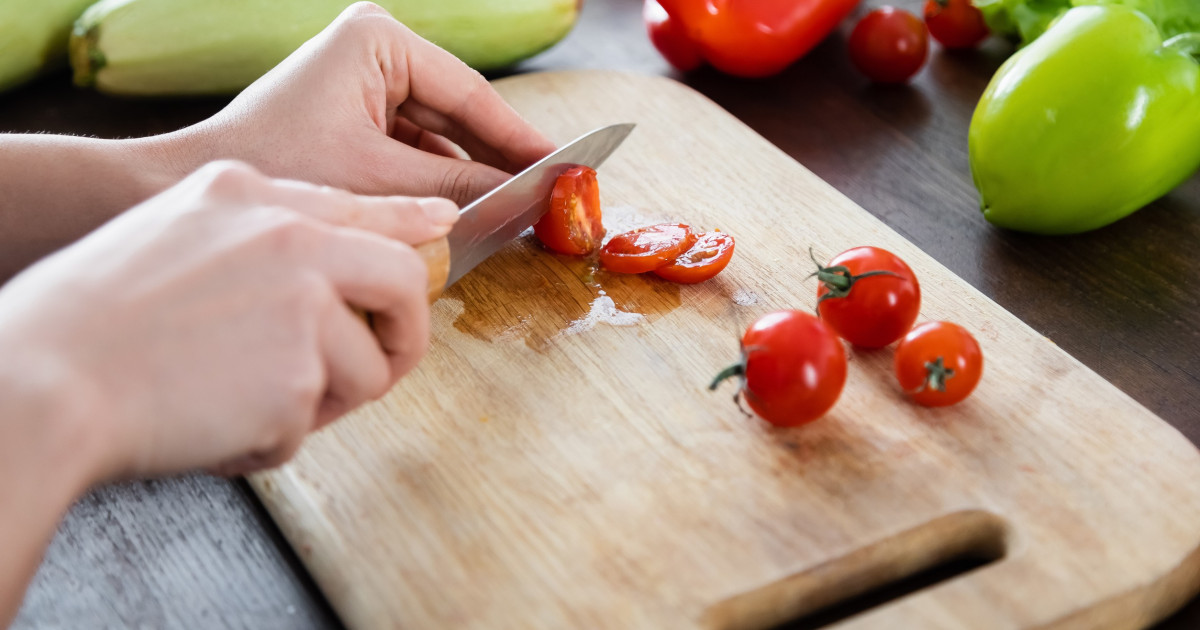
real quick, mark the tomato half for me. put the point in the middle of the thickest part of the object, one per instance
(707, 257)
(938, 363)
(955, 23)
(889, 45)
(793, 368)
(869, 296)
(669, 38)
(646, 249)
(573, 224)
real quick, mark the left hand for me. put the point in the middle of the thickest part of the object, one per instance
(371, 107)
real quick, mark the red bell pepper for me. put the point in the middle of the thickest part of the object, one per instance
(747, 38)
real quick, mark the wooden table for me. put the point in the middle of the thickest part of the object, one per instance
(201, 552)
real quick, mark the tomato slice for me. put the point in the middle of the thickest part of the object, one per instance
(573, 224)
(706, 258)
(646, 249)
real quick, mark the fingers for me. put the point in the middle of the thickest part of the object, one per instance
(389, 280)
(432, 120)
(414, 68)
(408, 219)
(358, 371)
(461, 181)
(409, 133)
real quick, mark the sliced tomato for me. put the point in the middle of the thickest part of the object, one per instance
(646, 249)
(706, 258)
(573, 224)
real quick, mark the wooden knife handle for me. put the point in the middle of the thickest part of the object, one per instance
(436, 255)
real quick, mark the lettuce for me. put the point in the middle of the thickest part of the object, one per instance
(1024, 20)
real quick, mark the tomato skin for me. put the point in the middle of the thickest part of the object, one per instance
(706, 258)
(795, 368)
(756, 38)
(646, 248)
(955, 24)
(573, 223)
(889, 45)
(878, 309)
(669, 38)
(957, 350)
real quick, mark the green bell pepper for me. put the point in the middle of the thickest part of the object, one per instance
(1092, 120)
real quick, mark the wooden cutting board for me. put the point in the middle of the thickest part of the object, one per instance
(557, 461)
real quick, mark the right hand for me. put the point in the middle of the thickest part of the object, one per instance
(210, 327)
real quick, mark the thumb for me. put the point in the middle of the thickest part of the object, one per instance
(423, 174)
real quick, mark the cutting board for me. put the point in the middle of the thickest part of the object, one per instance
(557, 461)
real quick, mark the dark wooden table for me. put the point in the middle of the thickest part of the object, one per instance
(198, 552)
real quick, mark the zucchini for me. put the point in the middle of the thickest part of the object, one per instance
(33, 36)
(187, 47)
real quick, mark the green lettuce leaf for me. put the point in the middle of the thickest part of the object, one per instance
(1024, 20)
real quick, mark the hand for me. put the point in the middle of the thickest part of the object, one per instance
(209, 326)
(369, 106)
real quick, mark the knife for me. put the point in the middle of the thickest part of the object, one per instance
(488, 224)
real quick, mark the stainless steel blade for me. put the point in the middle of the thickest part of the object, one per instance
(490, 222)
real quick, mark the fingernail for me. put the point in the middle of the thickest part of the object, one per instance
(441, 211)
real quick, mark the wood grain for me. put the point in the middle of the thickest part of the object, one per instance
(1124, 300)
(557, 462)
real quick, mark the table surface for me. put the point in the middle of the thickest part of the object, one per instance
(201, 552)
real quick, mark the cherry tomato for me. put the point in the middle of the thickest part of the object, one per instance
(793, 368)
(706, 258)
(669, 38)
(955, 23)
(573, 224)
(938, 363)
(756, 38)
(869, 296)
(646, 249)
(889, 45)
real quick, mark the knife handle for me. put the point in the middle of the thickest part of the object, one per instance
(436, 254)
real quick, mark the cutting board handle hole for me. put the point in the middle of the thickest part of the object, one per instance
(941, 550)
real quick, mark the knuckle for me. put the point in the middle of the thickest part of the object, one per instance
(229, 179)
(457, 185)
(290, 235)
(366, 17)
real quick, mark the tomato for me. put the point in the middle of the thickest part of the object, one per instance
(889, 45)
(955, 23)
(646, 249)
(869, 296)
(669, 38)
(573, 224)
(793, 368)
(709, 255)
(756, 38)
(938, 363)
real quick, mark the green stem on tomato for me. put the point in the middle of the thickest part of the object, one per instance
(737, 369)
(838, 280)
(936, 375)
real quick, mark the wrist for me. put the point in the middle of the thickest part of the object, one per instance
(52, 428)
(164, 160)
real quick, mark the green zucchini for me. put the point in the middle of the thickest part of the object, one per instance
(33, 36)
(183, 47)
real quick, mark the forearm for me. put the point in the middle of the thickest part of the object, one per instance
(58, 188)
(48, 457)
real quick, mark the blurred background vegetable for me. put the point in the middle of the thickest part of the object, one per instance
(1024, 20)
(745, 38)
(172, 47)
(1093, 120)
(33, 36)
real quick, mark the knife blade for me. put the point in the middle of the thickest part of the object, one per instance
(492, 221)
